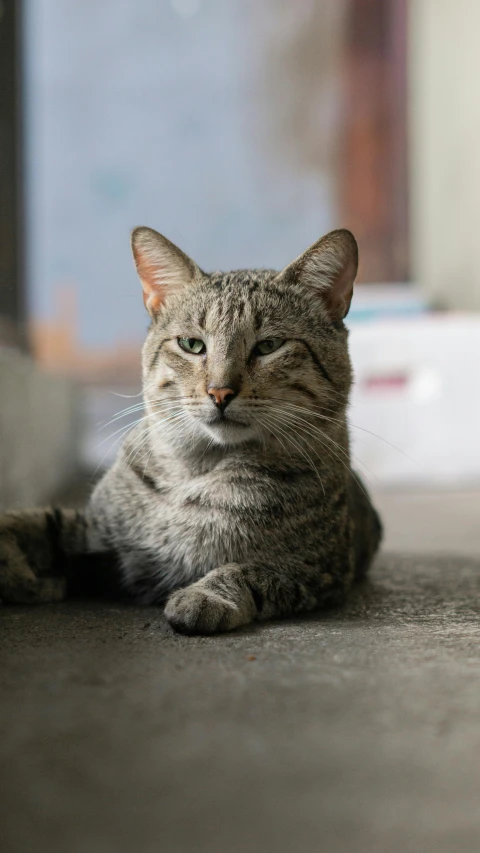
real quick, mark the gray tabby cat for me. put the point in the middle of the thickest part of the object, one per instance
(232, 499)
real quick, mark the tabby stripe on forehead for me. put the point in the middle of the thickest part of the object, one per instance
(155, 358)
(315, 359)
(202, 318)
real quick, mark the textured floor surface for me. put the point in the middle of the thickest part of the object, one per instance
(353, 732)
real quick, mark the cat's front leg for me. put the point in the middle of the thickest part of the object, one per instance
(234, 595)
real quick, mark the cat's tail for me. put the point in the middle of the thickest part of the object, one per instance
(45, 557)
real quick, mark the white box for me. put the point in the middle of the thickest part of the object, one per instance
(417, 387)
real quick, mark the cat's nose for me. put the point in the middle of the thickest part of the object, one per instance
(221, 396)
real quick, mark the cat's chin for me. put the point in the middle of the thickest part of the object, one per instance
(225, 433)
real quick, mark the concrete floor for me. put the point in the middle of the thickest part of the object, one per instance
(352, 732)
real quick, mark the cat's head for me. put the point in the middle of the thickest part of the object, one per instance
(245, 355)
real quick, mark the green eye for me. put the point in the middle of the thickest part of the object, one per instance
(268, 346)
(192, 345)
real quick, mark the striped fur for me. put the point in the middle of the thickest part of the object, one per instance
(223, 516)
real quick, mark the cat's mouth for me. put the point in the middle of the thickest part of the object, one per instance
(225, 429)
(226, 420)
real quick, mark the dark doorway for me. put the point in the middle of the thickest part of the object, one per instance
(12, 285)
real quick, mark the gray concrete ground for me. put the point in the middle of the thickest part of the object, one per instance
(356, 731)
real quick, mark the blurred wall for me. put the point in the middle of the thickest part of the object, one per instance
(40, 419)
(445, 150)
(156, 113)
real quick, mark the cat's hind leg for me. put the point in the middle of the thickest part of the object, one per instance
(18, 582)
(34, 548)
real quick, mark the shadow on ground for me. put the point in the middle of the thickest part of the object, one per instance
(355, 731)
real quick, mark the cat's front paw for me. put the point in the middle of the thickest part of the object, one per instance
(202, 609)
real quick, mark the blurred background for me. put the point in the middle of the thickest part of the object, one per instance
(243, 131)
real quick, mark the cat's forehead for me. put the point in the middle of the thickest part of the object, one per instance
(230, 299)
(241, 281)
(239, 302)
(237, 298)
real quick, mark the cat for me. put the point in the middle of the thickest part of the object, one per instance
(232, 499)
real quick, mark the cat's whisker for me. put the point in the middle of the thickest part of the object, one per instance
(164, 426)
(303, 453)
(306, 456)
(124, 431)
(311, 411)
(208, 446)
(322, 437)
(295, 418)
(101, 425)
(133, 453)
(126, 396)
(127, 427)
(328, 450)
(174, 428)
(270, 427)
(148, 404)
(277, 430)
(138, 407)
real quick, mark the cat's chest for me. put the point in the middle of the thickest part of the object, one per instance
(199, 501)
(224, 517)
(171, 530)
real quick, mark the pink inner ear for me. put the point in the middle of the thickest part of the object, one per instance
(149, 274)
(340, 295)
(152, 302)
(329, 267)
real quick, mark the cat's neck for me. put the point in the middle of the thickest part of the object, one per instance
(199, 457)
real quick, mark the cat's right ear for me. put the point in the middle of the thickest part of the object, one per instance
(162, 267)
(328, 270)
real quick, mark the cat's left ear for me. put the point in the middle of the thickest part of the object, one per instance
(161, 266)
(328, 268)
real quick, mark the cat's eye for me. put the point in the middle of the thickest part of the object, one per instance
(192, 345)
(268, 346)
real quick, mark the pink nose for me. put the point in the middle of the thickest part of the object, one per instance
(221, 396)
